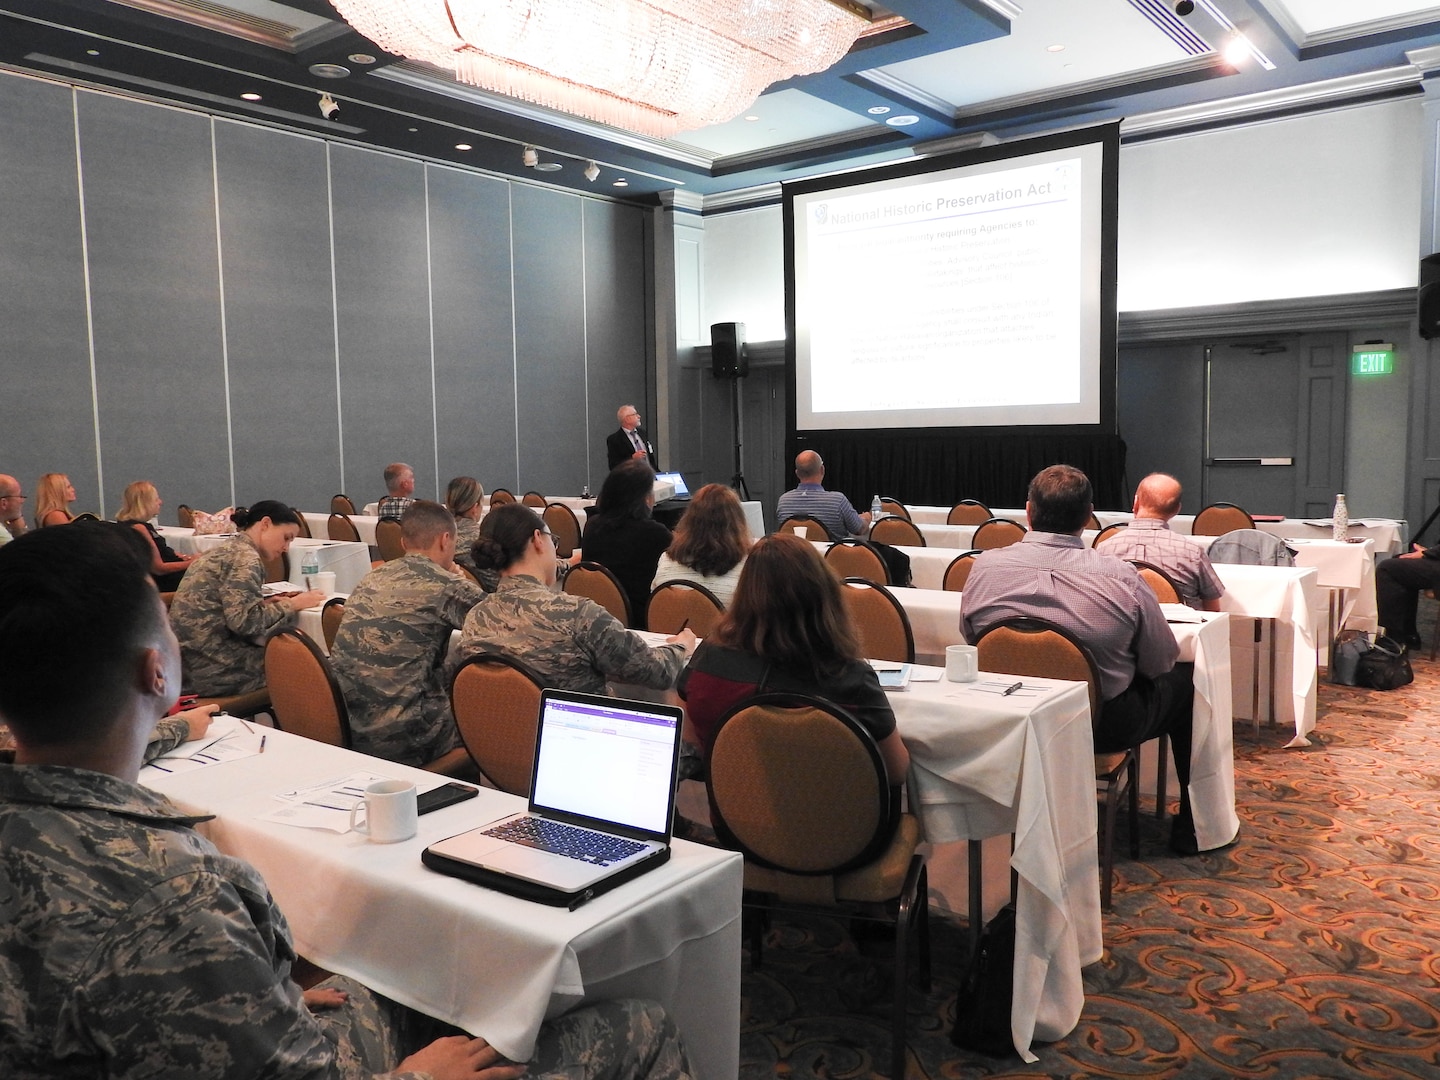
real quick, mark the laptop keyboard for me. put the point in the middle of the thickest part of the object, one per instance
(573, 842)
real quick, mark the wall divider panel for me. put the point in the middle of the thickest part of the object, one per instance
(149, 194)
(474, 319)
(50, 424)
(279, 324)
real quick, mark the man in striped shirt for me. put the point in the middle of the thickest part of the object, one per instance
(831, 508)
(1149, 539)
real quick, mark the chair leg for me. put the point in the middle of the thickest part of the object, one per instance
(976, 869)
(1132, 772)
(1161, 777)
(1107, 844)
(914, 905)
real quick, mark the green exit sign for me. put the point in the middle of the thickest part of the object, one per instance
(1372, 360)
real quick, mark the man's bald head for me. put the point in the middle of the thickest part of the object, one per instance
(1158, 496)
(809, 469)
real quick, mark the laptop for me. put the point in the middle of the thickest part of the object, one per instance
(602, 802)
(681, 491)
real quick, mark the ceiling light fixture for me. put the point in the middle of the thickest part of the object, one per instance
(549, 166)
(622, 182)
(328, 106)
(878, 110)
(592, 171)
(361, 58)
(530, 157)
(329, 71)
(1238, 48)
(463, 146)
(650, 68)
(251, 97)
(903, 120)
(1054, 48)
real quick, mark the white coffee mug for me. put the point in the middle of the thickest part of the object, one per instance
(801, 531)
(390, 812)
(324, 581)
(962, 663)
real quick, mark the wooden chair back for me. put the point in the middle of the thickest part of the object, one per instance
(881, 622)
(997, 533)
(330, 615)
(677, 605)
(534, 499)
(1161, 584)
(387, 538)
(305, 699)
(958, 572)
(563, 522)
(1219, 518)
(814, 527)
(857, 559)
(897, 532)
(340, 527)
(341, 504)
(894, 506)
(968, 512)
(599, 584)
(278, 568)
(496, 701)
(304, 524)
(500, 496)
(1107, 532)
(1036, 647)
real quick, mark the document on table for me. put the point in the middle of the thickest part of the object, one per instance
(325, 805)
(1006, 688)
(228, 739)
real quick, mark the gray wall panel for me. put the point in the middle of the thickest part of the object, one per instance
(549, 339)
(615, 276)
(150, 218)
(49, 425)
(279, 325)
(474, 327)
(386, 397)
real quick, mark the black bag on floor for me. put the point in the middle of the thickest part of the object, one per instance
(982, 1006)
(1385, 667)
(1350, 646)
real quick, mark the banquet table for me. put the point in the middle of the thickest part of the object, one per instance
(984, 765)
(491, 964)
(348, 561)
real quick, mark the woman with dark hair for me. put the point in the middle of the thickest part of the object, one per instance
(621, 535)
(709, 545)
(221, 614)
(571, 642)
(787, 630)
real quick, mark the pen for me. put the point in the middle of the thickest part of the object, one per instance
(1012, 688)
(264, 737)
(683, 625)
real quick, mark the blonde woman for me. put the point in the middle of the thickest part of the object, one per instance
(138, 505)
(54, 494)
(466, 497)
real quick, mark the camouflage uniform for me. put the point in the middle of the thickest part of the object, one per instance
(134, 948)
(389, 657)
(571, 642)
(467, 531)
(169, 733)
(222, 620)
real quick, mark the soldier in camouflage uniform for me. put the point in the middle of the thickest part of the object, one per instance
(571, 642)
(132, 946)
(220, 613)
(389, 652)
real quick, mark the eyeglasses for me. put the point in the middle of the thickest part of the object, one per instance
(17, 495)
(547, 532)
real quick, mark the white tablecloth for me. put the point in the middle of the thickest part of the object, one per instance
(982, 765)
(491, 964)
(348, 561)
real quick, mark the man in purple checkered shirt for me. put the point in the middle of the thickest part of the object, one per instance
(1102, 603)
(1148, 539)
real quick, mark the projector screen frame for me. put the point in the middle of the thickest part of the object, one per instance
(1107, 138)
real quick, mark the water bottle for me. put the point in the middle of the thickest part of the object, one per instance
(309, 565)
(585, 492)
(1340, 519)
(876, 511)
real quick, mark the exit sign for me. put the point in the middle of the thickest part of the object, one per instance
(1372, 360)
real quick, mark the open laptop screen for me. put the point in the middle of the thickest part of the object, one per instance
(677, 479)
(606, 758)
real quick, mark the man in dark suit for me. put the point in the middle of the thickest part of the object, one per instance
(631, 441)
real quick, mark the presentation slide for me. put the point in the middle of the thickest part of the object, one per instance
(969, 296)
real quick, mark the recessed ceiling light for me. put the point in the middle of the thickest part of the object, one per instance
(329, 71)
(463, 146)
(251, 97)
(878, 110)
(1054, 48)
(752, 119)
(621, 183)
(412, 129)
(360, 58)
(549, 166)
(92, 52)
(904, 120)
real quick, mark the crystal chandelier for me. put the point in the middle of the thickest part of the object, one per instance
(651, 66)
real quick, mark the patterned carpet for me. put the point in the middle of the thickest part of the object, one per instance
(1310, 948)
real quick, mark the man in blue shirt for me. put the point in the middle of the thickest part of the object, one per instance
(831, 508)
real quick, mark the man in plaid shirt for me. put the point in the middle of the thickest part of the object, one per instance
(1149, 539)
(399, 490)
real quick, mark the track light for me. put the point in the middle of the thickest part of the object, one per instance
(531, 157)
(328, 106)
(592, 171)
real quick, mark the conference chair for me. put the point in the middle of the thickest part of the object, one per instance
(968, 512)
(304, 695)
(958, 572)
(823, 834)
(997, 533)
(1161, 583)
(1107, 532)
(814, 527)
(858, 559)
(1093, 525)
(533, 499)
(244, 705)
(185, 516)
(1038, 648)
(465, 572)
(679, 605)
(1219, 518)
(387, 538)
(87, 516)
(881, 622)
(278, 568)
(894, 506)
(563, 522)
(897, 532)
(599, 584)
(340, 527)
(499, 497)
(496, 702)
(331, 613)
(304, 525)
(341, 504)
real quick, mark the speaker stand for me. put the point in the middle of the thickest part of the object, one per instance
(738, 480)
